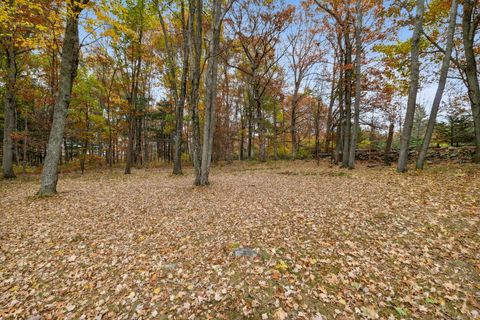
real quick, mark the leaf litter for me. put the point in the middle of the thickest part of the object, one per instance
(329, 243)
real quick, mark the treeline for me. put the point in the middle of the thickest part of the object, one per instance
(131, 82)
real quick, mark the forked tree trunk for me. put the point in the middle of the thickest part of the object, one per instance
(68, 72)
(441, 86)
(413, 89)
(211, 92)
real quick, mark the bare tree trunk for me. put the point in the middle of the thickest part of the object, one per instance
(211, 91)
(441, 86)
(262, 140)
(388, 145)
(25, 148)
(329, 132)
(293, 123)
(242, 137)
(178, 97)
(340, 131)
(196, 14)
(358, 82)
(129, 155)
(469, 26)
(250, 130)
(177, 159)
(275, 133)
(413, 89)
(347, 119)
(68, 72)
(317, 131)
(10, 106)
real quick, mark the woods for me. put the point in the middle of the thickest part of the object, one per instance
(239, 159)
(284, 79)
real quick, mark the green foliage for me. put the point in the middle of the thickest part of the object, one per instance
(284, 152)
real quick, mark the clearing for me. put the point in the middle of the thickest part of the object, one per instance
(331, 243)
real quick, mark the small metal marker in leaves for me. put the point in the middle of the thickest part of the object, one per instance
(245, 252)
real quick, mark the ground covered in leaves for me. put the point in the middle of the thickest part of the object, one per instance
(331, 243)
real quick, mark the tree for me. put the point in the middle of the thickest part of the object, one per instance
(179, 95)
(196, 35)
(68, 71)
(21, 27)
(211, 87)
(358, 82)
(303, 53)
(470, 22)
(413, 88)
(441, 85)
(341, 13)
(256, 26)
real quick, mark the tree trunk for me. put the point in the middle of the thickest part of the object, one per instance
(358, 82)
(329, 131)
(340, 131)
(25, 148)
(469, 26)
(347, 119)
(293, 122)
(10, 106)
(441, 86)
(196, 14)
(250, 130)
(275, 133)
(413, 89)
(261, 131)
(179, 97)
(134, 129)
(131, 135)
(68, 72)
(317, 132)
(388, 145)
(211, 91)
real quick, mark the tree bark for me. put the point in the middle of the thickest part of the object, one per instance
(441, 86)
(211, 91)
(293, 121)
(196, 14)
(413, 89)
(358, 82)
(388, 145)
(178, 97)
(10, 106)
(275, 133)
(347, 119)
(469, 26)
(68, 72)
(25, 147)
(317, 131)
(328, 130)
(339, 122)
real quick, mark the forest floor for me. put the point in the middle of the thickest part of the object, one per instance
(332, 243)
